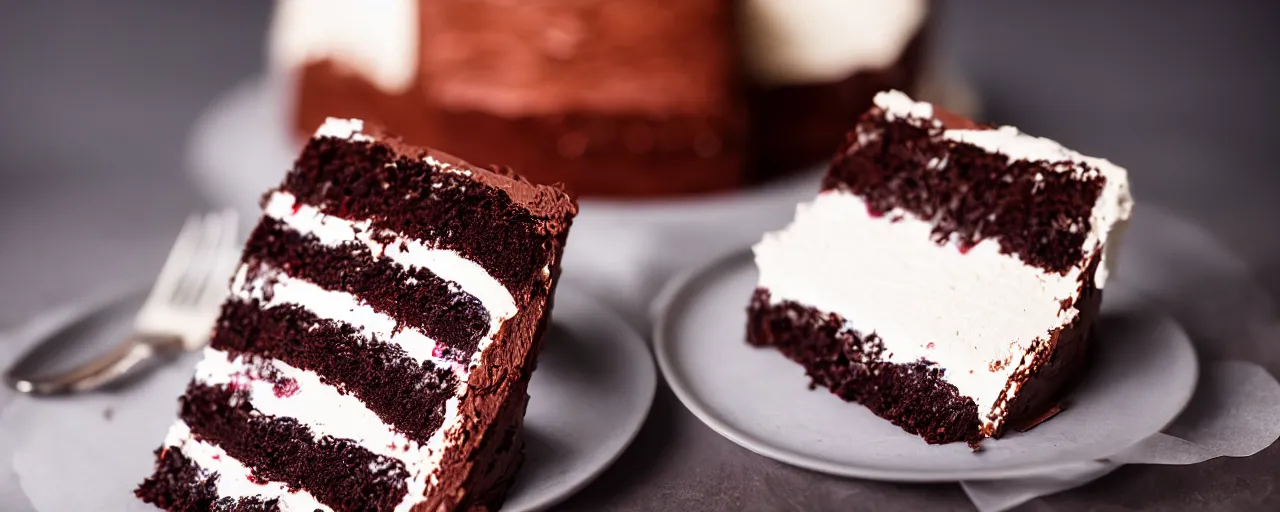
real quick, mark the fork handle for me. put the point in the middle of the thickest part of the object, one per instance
(100, 371)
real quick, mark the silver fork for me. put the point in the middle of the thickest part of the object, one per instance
(177, 316)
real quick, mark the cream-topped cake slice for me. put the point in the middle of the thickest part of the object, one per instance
(948, 274)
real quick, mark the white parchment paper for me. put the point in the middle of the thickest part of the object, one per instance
(1235, 413)
(1216, 298)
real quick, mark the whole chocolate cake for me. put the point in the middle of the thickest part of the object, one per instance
(620, 98)
(948, 275)
(378, 341)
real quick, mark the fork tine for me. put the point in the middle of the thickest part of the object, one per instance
(230, 221)
(178, 259)
(219, 280)
(219, 283)
(224, 256)
(229, 245)
(185, 281)
(198, 273)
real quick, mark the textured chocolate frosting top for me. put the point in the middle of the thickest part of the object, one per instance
(548, 202)
(538, 57)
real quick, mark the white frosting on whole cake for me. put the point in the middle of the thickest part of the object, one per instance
(788, 42)
(377, 39)
(974, 314)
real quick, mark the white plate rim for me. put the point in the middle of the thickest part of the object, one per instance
(638, 351)
(684, 285)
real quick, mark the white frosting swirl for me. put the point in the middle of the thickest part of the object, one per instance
(789, 42)
(377, 39)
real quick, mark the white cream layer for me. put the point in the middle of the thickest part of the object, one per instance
(408, 253)
(316, 404)
(233, 477)
(974, 314)
(339, 306)
(1110, 216)
(320, 406)
(788, 42)
(326, 411)
(377, 39)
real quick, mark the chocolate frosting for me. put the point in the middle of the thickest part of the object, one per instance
(477, 473)
(551, 57)
(548, 202)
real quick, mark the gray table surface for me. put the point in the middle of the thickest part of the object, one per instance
(96, 100)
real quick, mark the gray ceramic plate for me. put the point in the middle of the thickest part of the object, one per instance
(1142, 376)
(590, 395)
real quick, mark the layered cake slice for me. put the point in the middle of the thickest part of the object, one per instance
(377, 343)
(948, 274)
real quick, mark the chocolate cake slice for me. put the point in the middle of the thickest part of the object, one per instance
(378, 340)
(948, 274)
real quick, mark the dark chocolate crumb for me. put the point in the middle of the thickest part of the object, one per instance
(1038, 211)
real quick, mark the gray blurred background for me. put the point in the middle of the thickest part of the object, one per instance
(97, 100)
